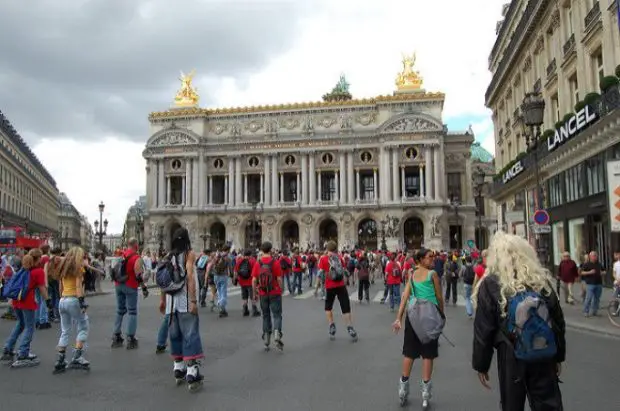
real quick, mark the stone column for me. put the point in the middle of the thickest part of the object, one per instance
(262, 188)
(151, 190)
(298, 189)
(374, 185)
(438, 196)
(267, 183)
(357, 185)
(274, 180)
(384, 175)
(238, 197)
(422, 181)
(195, 178)
(184, 190)
(281, 187)
(342, 193)
(337, 185)
(227, 190)
(161, 184)
(304, 179)
(403, 192)
(430, 190)
(319, 198)
(168, 191)
(188, 183)
(350, 187)
(395, 185)
(442, 174)
(245, 188)
(469, 178)
(312, 182)
(202, 181)
(231, 181)
(211, 190)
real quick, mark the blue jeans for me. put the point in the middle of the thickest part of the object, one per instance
(70, 314)
(41, 316)
(162, 334)
(287, 279)
(394, 290)
(311, 274)
(221, 283)
(297, 278)
(469, 309)
(54, 294)
(271, 306)
(25, 325)
(126, 303)
(185, 343)
(593, 298)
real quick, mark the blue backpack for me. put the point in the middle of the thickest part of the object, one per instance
(18, 285)
(530, 327)
(202, 262)
(171, 275)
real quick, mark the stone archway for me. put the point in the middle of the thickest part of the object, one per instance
(289, 235)
(413, 233)
(328, 231)
(367, 234)
(217, 233)
(253, 234)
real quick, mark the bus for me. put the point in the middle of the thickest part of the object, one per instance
(12, 238)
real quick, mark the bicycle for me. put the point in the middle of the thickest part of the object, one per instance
(613, 309)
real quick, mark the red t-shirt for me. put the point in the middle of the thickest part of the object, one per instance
(389, 270)
(132, 281)
(290, 265)
(245, 282)
(299, 263)
(37, 279)
(324, 266)
(276, 272)
(479, 270)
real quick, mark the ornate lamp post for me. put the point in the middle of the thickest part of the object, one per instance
(533, 112)
(384, 223)
(254, 224)
(455, 203)
(204, 237)
(139, 227)
(161, 241)
(100, 228)
(479, 185)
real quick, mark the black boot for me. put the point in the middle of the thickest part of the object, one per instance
(246, 312)
(61, 363)
(132, 343)
(117, 341)
(255, 312)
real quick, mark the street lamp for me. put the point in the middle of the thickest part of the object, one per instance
(204, 237)
(100, 229)
(455, 203)
(479, 185)
(139, 226)
(533, 111)
(161, 241)
(254, 226)
(383, 222)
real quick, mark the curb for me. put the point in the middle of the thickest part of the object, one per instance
(576, 326)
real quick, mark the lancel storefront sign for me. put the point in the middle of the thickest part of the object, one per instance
(572, 127)
(513, 171)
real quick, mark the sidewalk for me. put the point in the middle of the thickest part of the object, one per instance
(573, 315)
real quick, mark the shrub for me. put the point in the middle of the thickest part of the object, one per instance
(579, 106)
(618, 71)
(567, 117)
(559, 124)
(591, 98)
(608, 82)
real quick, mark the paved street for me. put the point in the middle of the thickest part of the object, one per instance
(312, 373)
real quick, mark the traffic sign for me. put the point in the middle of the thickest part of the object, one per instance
(542, 229)
(541, 217)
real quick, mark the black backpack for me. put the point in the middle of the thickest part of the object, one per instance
(469, 275)
(284, 265)
(244, 269)
(296, 264)
(119, 271)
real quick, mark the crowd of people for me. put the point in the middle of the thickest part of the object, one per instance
(505, 286)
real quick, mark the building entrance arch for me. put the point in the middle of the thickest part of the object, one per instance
(367, 234)
(218, 235)
(328, 231)
(290, 234)
(413, 232)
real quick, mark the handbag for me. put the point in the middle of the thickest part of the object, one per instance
(425, 318)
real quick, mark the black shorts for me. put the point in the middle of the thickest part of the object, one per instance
(343, 298)
(246, 292)
(210, 280)
(413, 347)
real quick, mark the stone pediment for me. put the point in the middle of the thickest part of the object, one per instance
(410, 124)
(173, 137)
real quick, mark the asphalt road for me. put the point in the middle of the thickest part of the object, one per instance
(312, 373)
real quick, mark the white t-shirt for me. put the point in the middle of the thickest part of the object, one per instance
(180, 301)
(617, 270)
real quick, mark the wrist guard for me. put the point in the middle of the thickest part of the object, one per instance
(83, 304)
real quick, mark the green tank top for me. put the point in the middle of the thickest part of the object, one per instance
(424, 290)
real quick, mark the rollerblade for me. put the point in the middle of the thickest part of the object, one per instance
(29, 360)
(179, 372)
(212, 306)
(117, 341)
(277, 336)
(403, 392)
(79, 362)
(332, 331)
(7, 356)
(246, 312)
(61, 363)
(132, 343)
(352, 333)
(193, 377)
(160, 349)
(267, 340)
(223, 313)
(255, 312)
(427, 394)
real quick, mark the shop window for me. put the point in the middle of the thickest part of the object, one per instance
(555, 191)
(577, 239)
(574, 181)
(454, 186)
(559, 246)
(595, 175)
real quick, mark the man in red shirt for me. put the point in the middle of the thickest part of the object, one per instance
(298, 266)
(393, 278)
(333, 267)
(127, 296)
(267, 284)
(243, 274)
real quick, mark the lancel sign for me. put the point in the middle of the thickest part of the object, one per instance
(513, 171)
(572, 127)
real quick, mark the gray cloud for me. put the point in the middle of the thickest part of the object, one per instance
(86, 68)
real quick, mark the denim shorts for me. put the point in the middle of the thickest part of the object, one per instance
(185, 342)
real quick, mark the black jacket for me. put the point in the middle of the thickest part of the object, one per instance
(488, 322)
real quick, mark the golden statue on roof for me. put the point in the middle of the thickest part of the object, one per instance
(409, 79)
(187, 96)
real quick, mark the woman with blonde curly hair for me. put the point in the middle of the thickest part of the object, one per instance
(515, 292)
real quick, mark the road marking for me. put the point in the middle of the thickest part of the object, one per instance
(378, 297)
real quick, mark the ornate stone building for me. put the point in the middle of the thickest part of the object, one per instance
(70, 224)
(373, 172)
(134, 222)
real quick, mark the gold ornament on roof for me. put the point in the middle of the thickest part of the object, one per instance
(409, 79)
(187, 96)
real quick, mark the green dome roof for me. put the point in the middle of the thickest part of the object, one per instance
(478, 153)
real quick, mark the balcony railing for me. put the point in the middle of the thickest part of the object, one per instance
(569, 46)
(551, 68)
(592, 17)
(537, 86)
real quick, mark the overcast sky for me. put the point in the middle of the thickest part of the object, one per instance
(79, 77)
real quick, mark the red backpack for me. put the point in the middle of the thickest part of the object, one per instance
(265, 276)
